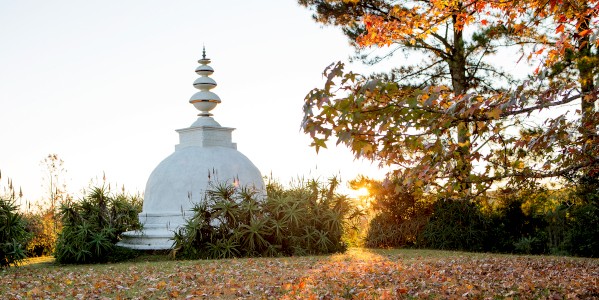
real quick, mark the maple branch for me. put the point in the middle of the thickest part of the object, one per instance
(426, 46)
(420, 70)
(483, 79)
(442, 39)
(541, 106)
(537, 174)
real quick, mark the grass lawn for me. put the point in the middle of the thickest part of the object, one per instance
(359, 274)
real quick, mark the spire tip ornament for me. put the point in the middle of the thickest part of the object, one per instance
(204, 100)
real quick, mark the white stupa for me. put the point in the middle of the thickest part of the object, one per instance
(205, 154)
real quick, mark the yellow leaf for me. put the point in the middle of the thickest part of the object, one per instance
(160, 285)
(495, 113)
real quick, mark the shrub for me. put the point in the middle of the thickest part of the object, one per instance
(44, 233)
(13, 234)
(516, 222)
(400, 214)
(385, 231)
(91, 227)
(238, 221)
(559, 222)
(583, 235)
(554, 229)
(456, 225)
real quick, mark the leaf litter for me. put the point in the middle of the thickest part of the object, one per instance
(356, 274)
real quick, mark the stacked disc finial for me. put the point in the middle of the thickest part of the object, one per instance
(204, 100)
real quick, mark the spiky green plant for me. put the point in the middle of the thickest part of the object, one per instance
(192, 239)
(295, 213)
(279, 227)
(322, 242)
(13, 233)
(223, 248)
(253, 235)
(91, 226)
(307, 218)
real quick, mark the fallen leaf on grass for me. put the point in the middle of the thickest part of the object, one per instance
(359, 273)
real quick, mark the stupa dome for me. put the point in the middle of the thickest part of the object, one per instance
(183, 178)
(205, 155)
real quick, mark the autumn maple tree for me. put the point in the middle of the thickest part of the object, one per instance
(569, 66)
(449, 116)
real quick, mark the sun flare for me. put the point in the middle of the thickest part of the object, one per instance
(358, 193)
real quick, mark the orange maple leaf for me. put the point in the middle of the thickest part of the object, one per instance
(585, 32)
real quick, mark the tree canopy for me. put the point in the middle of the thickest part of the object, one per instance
(453, 115)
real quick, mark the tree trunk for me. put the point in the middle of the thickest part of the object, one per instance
(457, 68)
(585, 66)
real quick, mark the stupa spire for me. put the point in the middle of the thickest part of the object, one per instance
(204, 100)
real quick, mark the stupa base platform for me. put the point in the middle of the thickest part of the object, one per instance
(147, 240)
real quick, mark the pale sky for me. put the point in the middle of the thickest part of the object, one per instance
(104, 84)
